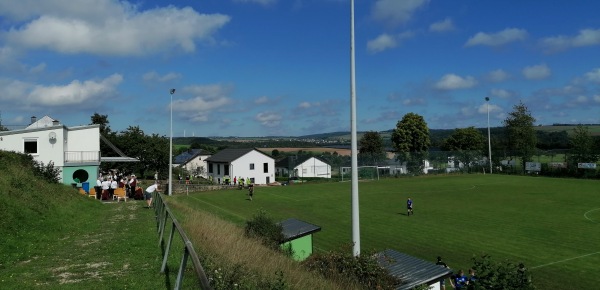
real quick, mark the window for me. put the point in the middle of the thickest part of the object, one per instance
(210, 168)
(30, 146)
(266, 167)
(218, 169)
(226, 167)
(304, 170)
(251, 166)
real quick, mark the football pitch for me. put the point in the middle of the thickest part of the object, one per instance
(551, 225)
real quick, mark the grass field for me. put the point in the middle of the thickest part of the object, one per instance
(551, 225)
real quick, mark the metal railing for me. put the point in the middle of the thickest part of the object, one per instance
(82, 156)
(163, 215)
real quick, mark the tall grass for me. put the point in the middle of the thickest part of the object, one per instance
(225, 246)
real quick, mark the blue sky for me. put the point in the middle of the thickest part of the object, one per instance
(281, 67)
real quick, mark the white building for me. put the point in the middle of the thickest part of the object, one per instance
(304, 167)
(241, 163)
(73, 150)
(193, 161)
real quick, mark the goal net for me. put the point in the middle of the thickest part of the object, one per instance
(364, 173)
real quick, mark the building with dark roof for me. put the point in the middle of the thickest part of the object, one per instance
(413, 271)
(193, 161)
(247, 163)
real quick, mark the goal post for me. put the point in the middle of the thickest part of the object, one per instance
(364, 173)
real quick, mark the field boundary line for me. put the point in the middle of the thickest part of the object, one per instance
(565, 260)
(589, 219)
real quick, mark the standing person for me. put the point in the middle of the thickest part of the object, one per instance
(442, 281)
(148, 194)
(459, 281)
(156, 176)
(409, 207)
(251, 190)
(105, 188)
(98, 187)
(113, 186)
(132, 185)
(234, 180)
(472, 279)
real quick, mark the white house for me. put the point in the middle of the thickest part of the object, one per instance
(73, 150)
(244, 163)
(307, 166)
(193, 161)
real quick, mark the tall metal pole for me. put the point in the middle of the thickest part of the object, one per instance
(487, 101)
(171, 147)
(354, 150)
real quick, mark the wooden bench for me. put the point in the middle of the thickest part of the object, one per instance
(119, 194)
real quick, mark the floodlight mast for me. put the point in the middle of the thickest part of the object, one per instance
(354, 150)
(487, 101)
(171, 147)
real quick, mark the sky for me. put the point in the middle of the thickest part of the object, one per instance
(282, 67)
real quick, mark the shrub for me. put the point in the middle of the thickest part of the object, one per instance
(506, 275)
(264, 228)
(363, 269)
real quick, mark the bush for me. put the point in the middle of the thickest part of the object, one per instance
(363, 269)
(500, 275)
(264, 228)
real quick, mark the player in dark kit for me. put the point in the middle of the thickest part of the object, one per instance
(409, 207)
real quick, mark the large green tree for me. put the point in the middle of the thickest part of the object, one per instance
(520, 133)
(466, 143)
(370, 147)
(411, 141)
(583, 146)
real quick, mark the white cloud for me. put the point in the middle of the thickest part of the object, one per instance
(262, 100)
(381, 43)
(493, 108)
(413, 102)
(442, 26)
(501, 93)
(455, 82)
(115, 28)
(74, 93)
(593, 76)
(498, 76)
(207, 99)
(387, 41)
(499, 38)
(304, 105)
(269, 119)
(155, 77)
(586, 37)
(396, 12)
(536, 72)
(38, 68)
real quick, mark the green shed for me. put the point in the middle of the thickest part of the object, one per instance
(298, 236)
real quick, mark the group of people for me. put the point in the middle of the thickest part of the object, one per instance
(458, 281)
(108, 183)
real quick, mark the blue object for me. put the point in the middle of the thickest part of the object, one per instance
(85, 186)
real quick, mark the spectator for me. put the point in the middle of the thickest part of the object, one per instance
(442, 281)
(148, 194)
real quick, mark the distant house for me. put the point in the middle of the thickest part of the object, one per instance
(193, 161)
(303, 167)
(244, 163)
(73, 150)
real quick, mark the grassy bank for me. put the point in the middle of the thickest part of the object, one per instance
(55, 238)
